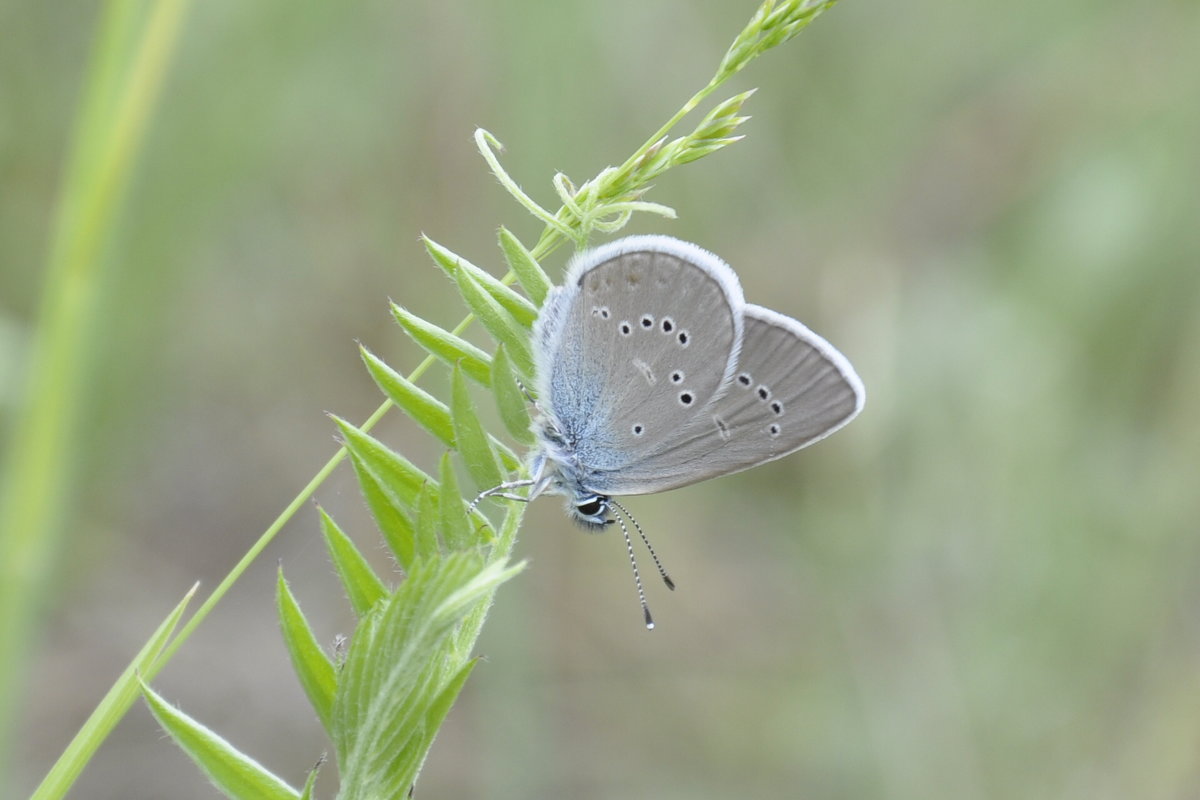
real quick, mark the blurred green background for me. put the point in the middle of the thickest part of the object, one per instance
(988, 586)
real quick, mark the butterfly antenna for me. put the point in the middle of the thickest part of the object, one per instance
(637, 577)
(661, 570)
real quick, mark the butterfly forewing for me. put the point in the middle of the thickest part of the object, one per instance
(643, 338)
(790, 389)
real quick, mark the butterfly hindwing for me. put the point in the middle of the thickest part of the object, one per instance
(790, 388)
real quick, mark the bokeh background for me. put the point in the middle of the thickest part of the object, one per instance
(988, 586)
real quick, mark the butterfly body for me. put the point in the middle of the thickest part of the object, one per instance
(652, 373)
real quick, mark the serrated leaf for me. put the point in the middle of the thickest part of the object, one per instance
(363, 587)
(521, 309)
(499, 323)
(312, 664)
(473, 443)
(117, 700)
(510, 400)
(445, 345)
(425, 409)
(230, 770)
(456, 530)
(529, 274)
(395, 476)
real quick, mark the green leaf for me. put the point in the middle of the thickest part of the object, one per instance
(394, 523)
(428, 519)
(398, 669)
(446, 345)
(412, 755)
(397, 479)
(230, 770)
(473, 443)
(110, 710)
(456, 529)
(510, 400)
(445, 699)
(311, 783)
(390, 513)
(363, 586)
(312, 665)
(521, 309)
(529, 274)
(425, 409)
(502, 326)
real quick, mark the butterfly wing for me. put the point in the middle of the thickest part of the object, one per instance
(642, 335)
(791, 388)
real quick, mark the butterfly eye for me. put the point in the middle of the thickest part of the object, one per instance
(686, 398)
(638, 430)
(647, 321)
(590, 507)
(683, 338)
(626, 329)
(773, 430)
(744, 379)
(676, 377)
(668, 324)
(763, 393)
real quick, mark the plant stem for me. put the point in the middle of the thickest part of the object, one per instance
(123, 86)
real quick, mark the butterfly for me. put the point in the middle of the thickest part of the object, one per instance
(652, 373)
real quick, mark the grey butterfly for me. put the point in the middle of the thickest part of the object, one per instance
(653, 373)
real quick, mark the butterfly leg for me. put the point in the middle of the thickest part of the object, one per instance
(528, 396)
(502, 491)
(532, 400)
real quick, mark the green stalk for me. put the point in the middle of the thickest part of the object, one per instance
(128, 64)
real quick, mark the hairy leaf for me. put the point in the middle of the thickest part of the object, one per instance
(363, 587)
(234, 773)
(397, 479)
(112, 707)
(429, 544)
(398, 669)
(502, 326)
(473, 443)
(456, 530)
(425, 409)
(510, 400)
(445, 345)
(313, 666)
(529, 274)
(521, 309)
